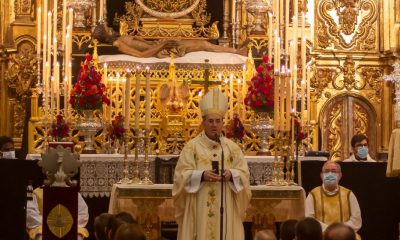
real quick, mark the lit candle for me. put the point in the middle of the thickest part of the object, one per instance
(137, 98)
(71, 20)
(52, 95)
(308, 103)
(276, 100)
(227, 95)
(39, 32)
(57, 86)
(127, 98)
(111, 98)
(302, 93)
(288, 98)
(244, 90)
(55, 46)
(65, 83)
(295, 87)
(270, 36)
(239, 97)
(101, 9)
(282, 96)
(64, 22)
(287, 26)
(116, 94)
(49, 38)
(46, 88)
(148, 100)
(231, 96)
(124, 96)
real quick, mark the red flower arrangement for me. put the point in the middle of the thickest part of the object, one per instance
(116, 130)
(299, 135)
(260, 94)
(59, 129)
(235, 129)
(88, 92)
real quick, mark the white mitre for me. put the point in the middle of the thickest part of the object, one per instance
(214, 102)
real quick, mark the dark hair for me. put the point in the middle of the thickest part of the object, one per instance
(308, 229)
(287, 230)
(4, 140)
(339, 231)
(100, 226)
(117, 220)
(129, 231)
(358, 138)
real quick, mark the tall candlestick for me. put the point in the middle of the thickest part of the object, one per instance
(288, 99)
(116, 97)
(287, 26)
(39, 32)
(282, 96)
(239, 97)
(101, 9)
(308, 103)
(270, 36)
(127, 98)
(244, 90)
(64, 22)
(46, 88)
(231, 96)
(137, 99)
(123, 87)
(55, 46)
(276, 100)
(148, 99)
(71, 20)
(65, 83)
(57, 86)
(52, 95)
(226, 81)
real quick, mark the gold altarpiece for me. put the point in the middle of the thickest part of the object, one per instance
(351, 46)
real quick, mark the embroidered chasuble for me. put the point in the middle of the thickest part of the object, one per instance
(197, 204)
(331, 208)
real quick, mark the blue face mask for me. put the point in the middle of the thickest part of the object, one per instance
(362, 152)
(330, 178)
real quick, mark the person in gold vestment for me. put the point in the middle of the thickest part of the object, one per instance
(331, 202)
(196, 189)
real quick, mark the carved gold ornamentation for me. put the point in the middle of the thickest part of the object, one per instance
(321, 79)
(349, 80)
(21, 77)
(335, 138)
(81, 38)
(168, 8)
(347, 24)
(135, 23)
(360, 119)
(372, 76)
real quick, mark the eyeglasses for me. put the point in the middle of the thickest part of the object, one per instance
(361, 145)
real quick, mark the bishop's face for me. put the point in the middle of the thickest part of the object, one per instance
(212, 124)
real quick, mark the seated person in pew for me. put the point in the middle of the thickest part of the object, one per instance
(308, 229)
(331, 202)
(139, 47)
(359, 144)
(7, 149)
(34, 216)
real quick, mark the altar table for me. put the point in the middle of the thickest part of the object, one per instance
(99, 172)
(152, 204)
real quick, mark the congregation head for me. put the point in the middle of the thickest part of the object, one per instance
(266, 234)
(100, 226)
(129, 231)
(116, 221)
(308, 229)
(287, 230)
(339, 231)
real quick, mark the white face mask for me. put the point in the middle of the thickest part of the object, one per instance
(9, 155)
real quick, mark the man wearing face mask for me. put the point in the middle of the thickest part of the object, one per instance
(7, 150)
(359, 144)
(331, 202)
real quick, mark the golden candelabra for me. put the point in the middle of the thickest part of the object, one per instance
(146, 178)
(125, 172)
(135, 164)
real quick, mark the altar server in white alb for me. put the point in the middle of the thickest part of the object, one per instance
(197, 188)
